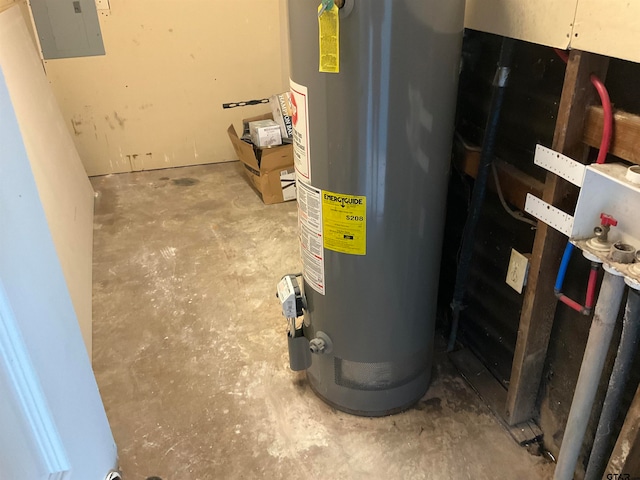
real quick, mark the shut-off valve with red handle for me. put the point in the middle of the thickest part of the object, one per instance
(599, 242)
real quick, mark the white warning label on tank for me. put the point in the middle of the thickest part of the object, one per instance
(310, 229)
(300, 121)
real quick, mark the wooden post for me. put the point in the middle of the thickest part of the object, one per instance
(539, 305)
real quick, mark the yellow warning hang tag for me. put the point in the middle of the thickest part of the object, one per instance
(344, 223)
(329, 30)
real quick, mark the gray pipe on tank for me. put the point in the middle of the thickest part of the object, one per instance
(602, 325)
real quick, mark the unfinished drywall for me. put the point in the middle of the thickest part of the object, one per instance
(606, 27)
(65, 191)
(547, 22)
(155, 99)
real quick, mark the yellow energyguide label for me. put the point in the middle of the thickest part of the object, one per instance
(329, 30)
(344, 223)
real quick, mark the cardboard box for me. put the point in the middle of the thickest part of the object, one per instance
(265, 133)
(269, 170)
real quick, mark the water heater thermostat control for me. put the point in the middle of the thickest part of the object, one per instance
(290, 297)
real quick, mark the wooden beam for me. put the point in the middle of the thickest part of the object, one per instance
(539, 305)
(625, 142)
(515, 184)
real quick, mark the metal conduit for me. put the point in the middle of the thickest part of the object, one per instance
(619, 377)
(602, 325)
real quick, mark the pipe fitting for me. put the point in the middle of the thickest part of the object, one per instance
(316, 345)
(600, 240)
(321, 344)
(345, 6)
(622, 253)
(631, 283)
(584, 310)
(633, 174)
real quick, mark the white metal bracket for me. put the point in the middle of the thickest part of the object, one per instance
(547, 213)
(559, 164)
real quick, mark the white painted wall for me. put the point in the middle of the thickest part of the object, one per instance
(62, 182)
(4, 4)
(155, 99)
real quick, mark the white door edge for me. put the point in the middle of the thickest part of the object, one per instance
(27, 389)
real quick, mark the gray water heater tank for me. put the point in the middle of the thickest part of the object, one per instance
(372, 145)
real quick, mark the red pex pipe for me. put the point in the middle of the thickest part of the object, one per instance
(608, 118)
(591, 287)
(571, 303)
(562, 54)
(607, 109)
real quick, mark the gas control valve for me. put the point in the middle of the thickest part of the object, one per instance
(293, 305)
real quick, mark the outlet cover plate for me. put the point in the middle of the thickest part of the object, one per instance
(518, 270)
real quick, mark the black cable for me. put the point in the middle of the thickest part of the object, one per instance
(480, 186)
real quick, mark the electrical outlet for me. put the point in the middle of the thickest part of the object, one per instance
(518, 270)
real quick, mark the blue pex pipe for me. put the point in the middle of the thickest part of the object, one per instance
(562, 271)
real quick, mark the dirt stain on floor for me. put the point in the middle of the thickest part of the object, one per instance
(185, 182)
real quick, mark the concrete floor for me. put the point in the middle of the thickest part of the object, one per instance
(190, 351)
